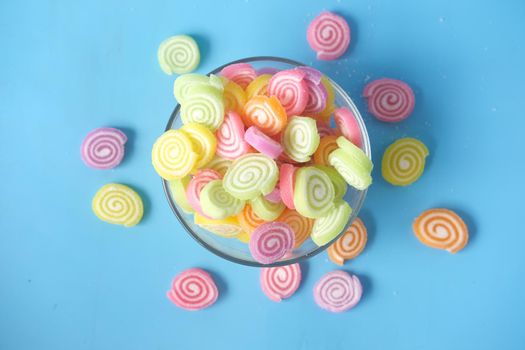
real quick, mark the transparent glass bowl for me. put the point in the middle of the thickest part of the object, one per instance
(231, 248)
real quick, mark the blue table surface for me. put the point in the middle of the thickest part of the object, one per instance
(70, 281)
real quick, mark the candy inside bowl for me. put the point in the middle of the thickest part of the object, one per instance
(237, 245)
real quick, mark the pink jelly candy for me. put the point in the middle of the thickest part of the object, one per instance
(262, 142)
(286, 184)
(348, 125)
(103, 148)
(389, 100)
(270, 241)
(240, 73)
(230, 137)
(193, 289)
(291, 89)
(328, 35)
(280, 282)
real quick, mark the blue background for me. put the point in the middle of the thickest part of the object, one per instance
(70, 281)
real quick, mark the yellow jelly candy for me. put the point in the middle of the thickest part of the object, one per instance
(258, 86)
(204, 143)
(228, 227)
(118, 204)
(173, 155)
(234, 96)
(404, 161)
(178, 192)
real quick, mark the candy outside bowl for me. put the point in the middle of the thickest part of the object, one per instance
(231, 248)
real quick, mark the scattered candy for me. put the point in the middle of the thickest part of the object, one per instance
(262, 142)
(258, 86)
(178, 192)
(301, 226)
(317, 93)
(228, 227)
(274, 196)
(195, 186)
(248, 220)
(178, 54)
(348, 125)
(203, 105)
(271, 241)
(350, 244)
(389, 100)
(173, 155)
(267, 210)
(313, 192)
(290, 87)
(118, 204)
(204, 142)
(328, 35)
(338, 291)
(266, 113)
(287, 184)
(339, 183)
(404, 161)
(219, 164)
(280, 282)
(230, 137)
(250, 176)
(103, 148)
(300, 138)
(327, 144)
(240, 73)
(184, 82)
(441, 229)
(326, 228)
(217, 203)
(193, 289)
(234, 97)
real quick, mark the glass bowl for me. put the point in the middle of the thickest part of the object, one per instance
(233, 249)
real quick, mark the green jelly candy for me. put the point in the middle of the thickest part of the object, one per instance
(350, 169)
(266, 209)
(328, 227)
(340, 185)
(178, 192)
(313, 192)
(217, 203)
(250, 176)
(300, 138)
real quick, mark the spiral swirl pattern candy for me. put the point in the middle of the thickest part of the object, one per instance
(193, 289)
(173, 155)
(348, 125)
(317, 93)
(271, 241)
(266, 113)
(404, 161)
(178, 192)
(230, 137)
(265, 209)
(300, 138)
(389, 100)
(217, 203)
(251, 175)
(287, 184)
(178, 54)
(195, 186)
(103, 148)
(313, 193)
(203, 105)
(280, 282)
(354, 172)
(258, 86)
(204, 142)
(338, 291)
(441, 229)
(219, 164)
(326, 146)
(339, 183)
(227, 228)
(350, 244)
(248, 220)
(290, 87)
(301, 226)
(328, 35)
(240, 73)
(355, 152)
(184, 82)
(328, 227)
(118, 204)
(234, 97)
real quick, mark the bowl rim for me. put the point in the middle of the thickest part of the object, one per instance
(355, 210)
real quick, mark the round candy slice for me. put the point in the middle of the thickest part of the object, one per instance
(441, 229)
(230, 137)
(258, 86)
(248, 220)
(228, 227)
(183, 83)
(389, 100)
(173, 155)
(338, 291)
(317, 93)
(178, 54)
(266, 113)
(355, 152)
(354, 173)
(326, 146)
(348, 125)
(287, 184)
(328, 227)
(290, 87)
(300, 138)
(217, 203)
(204, 142)
(240, 73)
(262, 142)
(313, 193)
(404, 161)
(103, 148)
(118, 204)
(234, 97)
(251, 175)
(280, 282)
(301, 226)
(193, 289)
(195, 186)
(265, 209)
(271, 241)
(203, 105)
(350, 244)
(339, 183)
(328, 35)
(178, 192)
(219, 164)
